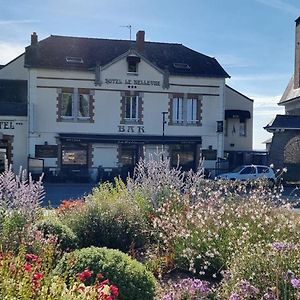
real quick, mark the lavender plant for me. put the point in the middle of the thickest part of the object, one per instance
(154, 179)
(19, 193)
(20, 200)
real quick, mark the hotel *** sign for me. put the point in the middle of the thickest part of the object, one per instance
(132, 81)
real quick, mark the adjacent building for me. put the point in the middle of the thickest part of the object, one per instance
(285, 146)
(90, 107)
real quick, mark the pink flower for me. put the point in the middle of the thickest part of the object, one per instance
(84, 274)
(32, 257)
(295, 283)
(27, 267)
(114, 291)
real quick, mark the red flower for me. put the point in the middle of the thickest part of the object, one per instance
(37, 276)
(31, 257)
(100, 276)
(27, 266)
(104, 282)
(84, 274)
(114, 291)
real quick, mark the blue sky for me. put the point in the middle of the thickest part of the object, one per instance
(252, 39)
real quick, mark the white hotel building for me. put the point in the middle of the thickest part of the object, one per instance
(85, 107)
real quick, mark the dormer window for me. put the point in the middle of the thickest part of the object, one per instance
(132, 64)
(74, 60)
(181, 66)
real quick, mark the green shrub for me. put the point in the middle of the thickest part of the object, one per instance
(12, 225)
(133, 280)
(67, 240)
(269, 268)
(110, 217)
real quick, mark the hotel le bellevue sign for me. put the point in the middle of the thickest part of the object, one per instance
(132, 82)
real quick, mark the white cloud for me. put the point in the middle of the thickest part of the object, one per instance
(281, 5)
(9, 51)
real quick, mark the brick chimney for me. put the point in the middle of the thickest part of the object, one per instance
(297, 56)
(34, 39)
(140, 41)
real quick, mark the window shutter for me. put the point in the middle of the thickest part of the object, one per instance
(140, 110)
(199, 111)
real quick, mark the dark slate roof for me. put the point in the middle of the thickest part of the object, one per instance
(13, 109)
(1, 66)
(52, 52)
(284, 122)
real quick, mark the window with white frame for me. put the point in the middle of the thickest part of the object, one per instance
(67, 105)
(185, 110)
(74, 105)
(177, 105)
(192, 111)
(83, 106)
(131, 108)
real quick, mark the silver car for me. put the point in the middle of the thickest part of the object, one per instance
(249, 172)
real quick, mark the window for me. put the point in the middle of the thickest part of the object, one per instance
(74, 154)
(132, 63)
(248, 170)
(184, 155)
(177, 110)
(186, 110)
(242, 128)
(67, 105)
(131, 108)
(75, 105)
(192, 111)
(263, 170)
(83, 106)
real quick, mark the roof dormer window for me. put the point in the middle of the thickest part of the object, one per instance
(74, 60)
(132, 64)
(181, 66)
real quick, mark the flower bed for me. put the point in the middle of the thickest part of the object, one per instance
(232, 240)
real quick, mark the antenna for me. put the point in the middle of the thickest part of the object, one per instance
(129, 27)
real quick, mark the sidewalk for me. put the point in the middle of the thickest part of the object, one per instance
(56, 192)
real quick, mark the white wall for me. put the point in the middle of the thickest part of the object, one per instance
(236, 101)
(15, 70)
(43, 92)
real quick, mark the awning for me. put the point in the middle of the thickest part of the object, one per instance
(128, 139)
(235, 113)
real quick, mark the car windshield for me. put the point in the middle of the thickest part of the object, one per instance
(238, 169)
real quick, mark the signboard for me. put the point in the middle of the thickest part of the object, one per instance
(46, 151)
(132, 81)
(6, 124)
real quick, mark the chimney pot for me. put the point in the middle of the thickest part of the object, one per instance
(140, 40)
(34, 39)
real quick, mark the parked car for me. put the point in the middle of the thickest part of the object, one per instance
(250, 172)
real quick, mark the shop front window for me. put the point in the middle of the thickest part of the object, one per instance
(74, 155)
(184, 155)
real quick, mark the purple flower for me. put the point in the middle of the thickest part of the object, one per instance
(281, 246)
(168, 297)
(246, 288)
(235, 296)
(194, 285)
(295, 283)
